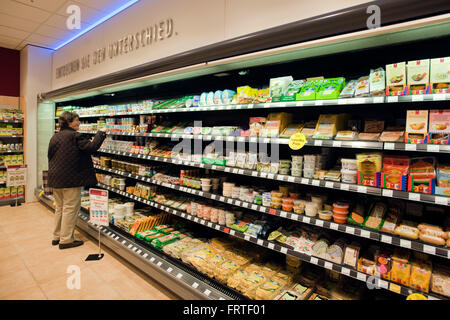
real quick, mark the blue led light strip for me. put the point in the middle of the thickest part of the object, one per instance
(123, 7)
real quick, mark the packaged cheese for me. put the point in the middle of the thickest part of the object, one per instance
(420, 276)
(401, 268)
(440, 75)
(440, 282)
(377, 83)
(269, 290)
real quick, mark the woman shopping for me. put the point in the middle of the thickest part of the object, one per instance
(70, 168)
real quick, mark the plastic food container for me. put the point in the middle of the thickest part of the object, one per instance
(348, 176)
(287, 207)
(349, 164)
(342, 206)
(308, 173)
(294, 195)
(339, 219)
(311, 212)
(284, 171)
(325, 215)
(206, 188)
(277, 195)
(309, 166)
(297, 158)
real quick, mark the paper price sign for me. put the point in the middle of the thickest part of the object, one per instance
(98, 203)
(297, 141)
(16, 176)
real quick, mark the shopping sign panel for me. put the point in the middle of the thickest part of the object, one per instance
(16, 176)
(98, 203)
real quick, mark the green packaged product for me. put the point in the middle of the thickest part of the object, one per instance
(141, 235)
(241, 226)
(154, 236)
(163, 241)
(293, 88)
(331, 88)
(309, 90)
(278, 86)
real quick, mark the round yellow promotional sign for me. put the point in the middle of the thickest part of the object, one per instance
(416, 296)
(297, 141)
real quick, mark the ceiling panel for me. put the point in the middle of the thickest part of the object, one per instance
(8, 42)
(88, 15)
(103, 5)
(20, 10)
(13, 33)
(42, 40)
(57, 21)
(17, 23)
(48, 5)
(43, 22)
(53, 32)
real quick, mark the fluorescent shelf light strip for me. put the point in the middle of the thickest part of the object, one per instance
(92, 26)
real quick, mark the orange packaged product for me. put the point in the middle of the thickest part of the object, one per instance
(395, 172)
(401, 268)
(420, 276)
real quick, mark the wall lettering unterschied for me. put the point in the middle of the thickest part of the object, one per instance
(131, 42)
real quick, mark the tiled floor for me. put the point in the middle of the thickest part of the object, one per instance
(31, 268)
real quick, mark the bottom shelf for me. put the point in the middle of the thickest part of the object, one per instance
(12, 201)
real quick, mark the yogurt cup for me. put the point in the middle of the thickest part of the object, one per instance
(348, 176)
(349, 164)
(339, 219)
(311, 212)
(325, 215)
(308, 173)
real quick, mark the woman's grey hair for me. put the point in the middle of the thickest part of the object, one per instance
(66, 118)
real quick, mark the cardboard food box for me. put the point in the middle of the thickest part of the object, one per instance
(329, 124)
(418, 77)
(396, 79)
(439, 127)
(331, 88)
(422, 175)
(440, 75)
(278, 86)
(395, 172)
(416, 126)
(309, 90)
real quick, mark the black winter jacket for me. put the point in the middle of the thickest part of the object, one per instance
(69, 159)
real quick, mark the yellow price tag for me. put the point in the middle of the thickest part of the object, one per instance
(297, 141)
(41, 193)
(416, 296)
(395, 288)
(54, 203)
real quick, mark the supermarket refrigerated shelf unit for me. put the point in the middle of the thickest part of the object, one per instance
(374, 145)
(185, 281)
(349, 229)
(421, 197)
(297, 104)
(348, 271)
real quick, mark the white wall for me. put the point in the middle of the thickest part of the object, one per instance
(35, 77)
(196, 23)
